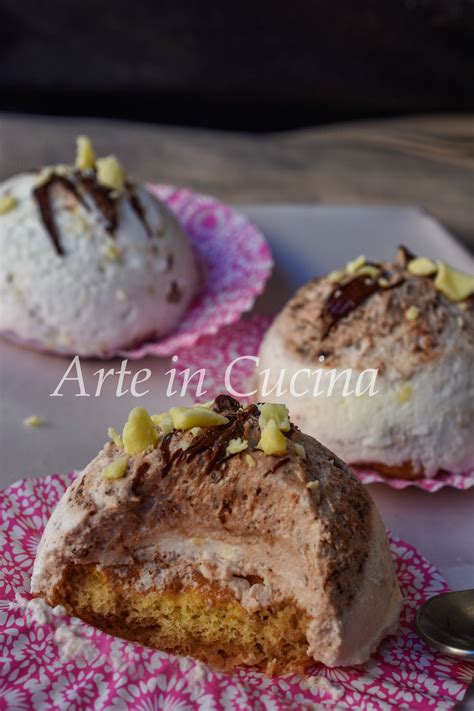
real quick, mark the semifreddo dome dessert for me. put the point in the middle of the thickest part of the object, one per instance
(91, 261)
(413, 322)
(225, 533)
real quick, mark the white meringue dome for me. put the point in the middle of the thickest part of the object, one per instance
(89, 267)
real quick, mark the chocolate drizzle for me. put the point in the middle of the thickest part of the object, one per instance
(345, 298)
(138, 209)
(226, 405)
(42, 195)
(279, 463)
(105, 199)
(404, 256)
(213, 441)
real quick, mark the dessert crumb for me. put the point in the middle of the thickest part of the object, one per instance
(320, 683)
(113, 252)
(40, 611)
(198, 673)
(300, 450)
(121, 295)
(110, 173)
(34, 421)
(412, 313)
(7, 203)
(71, 645)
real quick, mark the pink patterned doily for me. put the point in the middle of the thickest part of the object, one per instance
(215, 353)
(235, 262)
(50, 660)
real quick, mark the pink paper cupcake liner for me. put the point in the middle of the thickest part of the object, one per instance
(214, 355)
(235, 262)
(50, 660)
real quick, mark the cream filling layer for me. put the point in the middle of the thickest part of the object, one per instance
(228, 564)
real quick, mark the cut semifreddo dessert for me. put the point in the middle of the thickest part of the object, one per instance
(223, 532)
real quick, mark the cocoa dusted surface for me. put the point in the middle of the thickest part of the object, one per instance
(369, 324)
(199, 491)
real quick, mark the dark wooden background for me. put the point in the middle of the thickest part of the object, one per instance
(240, 65)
